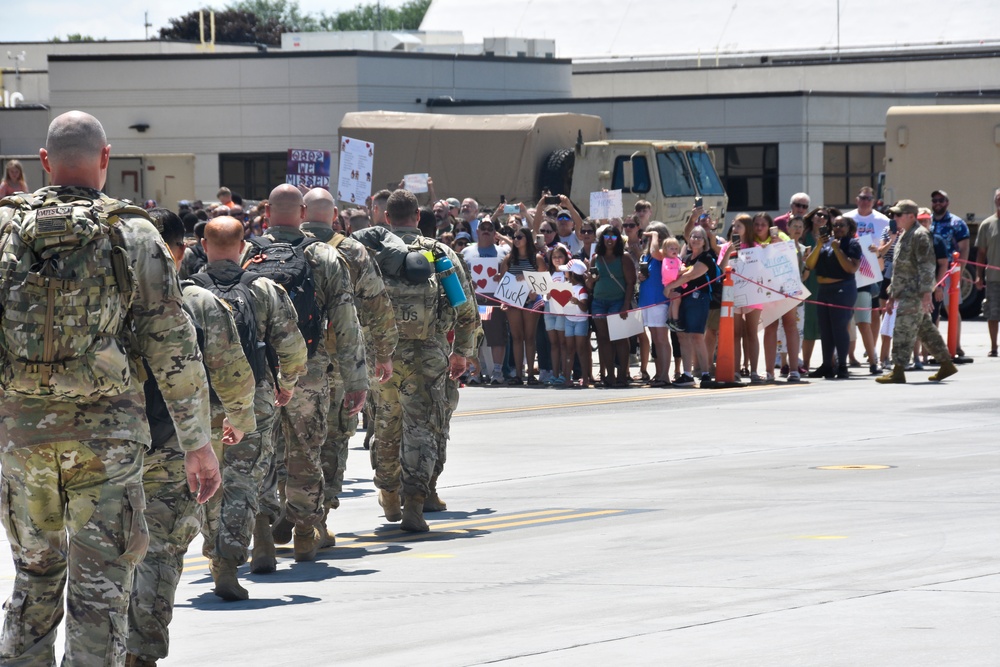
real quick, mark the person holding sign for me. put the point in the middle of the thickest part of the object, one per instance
(766, 232)
(577, 326)
(835, 259)
(555, 321)
(523, 322)
(612, 284)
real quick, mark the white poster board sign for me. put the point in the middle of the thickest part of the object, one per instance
(415, 183)
(766, 274)
(512, 291)
(630, 326)
(868, 272)
(354, 182)
(606, 205)
(539, 282)
(483, 271)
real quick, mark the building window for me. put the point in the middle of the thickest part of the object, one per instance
(252, 175)
(847, 168)
(750, 174)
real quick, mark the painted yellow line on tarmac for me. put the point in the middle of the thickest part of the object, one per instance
(613, 401)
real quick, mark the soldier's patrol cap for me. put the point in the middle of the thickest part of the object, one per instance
(905, 206)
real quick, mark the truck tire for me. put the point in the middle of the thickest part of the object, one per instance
(557, 172)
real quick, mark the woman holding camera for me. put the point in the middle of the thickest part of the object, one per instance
(612, 287)
(835, 259)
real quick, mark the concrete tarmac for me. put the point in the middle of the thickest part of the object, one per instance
(834, 523)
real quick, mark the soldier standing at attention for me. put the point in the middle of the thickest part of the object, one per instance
(267, 327)
(321, 295)
(413, 406)
(378, 325)
(913, 271)
(72, 442)
(172, 513)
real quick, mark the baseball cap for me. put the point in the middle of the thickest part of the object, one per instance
(924, 214)
(940, 193)
(564, 213)
(453, 203)
(905, 206)
(574, 266)
(463, 236)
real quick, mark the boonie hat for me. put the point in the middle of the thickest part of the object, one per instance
(574, 266)
(905, 206)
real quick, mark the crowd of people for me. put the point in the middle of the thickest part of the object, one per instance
(304, 316)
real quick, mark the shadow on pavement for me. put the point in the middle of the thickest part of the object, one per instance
(207, 601)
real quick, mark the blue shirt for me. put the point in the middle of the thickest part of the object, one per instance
(951, 229)
(651, 289)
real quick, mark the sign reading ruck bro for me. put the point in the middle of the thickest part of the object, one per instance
(310, 169)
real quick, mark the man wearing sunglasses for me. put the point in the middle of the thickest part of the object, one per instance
(955, 233)
(799, 205)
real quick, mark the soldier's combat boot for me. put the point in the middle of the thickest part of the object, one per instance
(898, 376)
(947, 369)
(389, 500)
(262, 557)
(327, 538)
(307, 540)
(226, 586)
(433, 503)
(413, 515)
(281, 531)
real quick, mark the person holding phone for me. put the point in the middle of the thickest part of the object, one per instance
(612, 286)
(835, 259)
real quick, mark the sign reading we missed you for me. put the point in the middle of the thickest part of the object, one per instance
(308, 168)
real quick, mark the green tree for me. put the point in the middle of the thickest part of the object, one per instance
(375, 17)
(77, 37)
(285, 12)
(231, 25)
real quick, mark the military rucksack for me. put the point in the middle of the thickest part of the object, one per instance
(286, 264)
(416, 302)
(66, 287)
(161, 424)
(237, 294)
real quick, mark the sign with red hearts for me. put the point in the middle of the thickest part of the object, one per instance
(484, 274)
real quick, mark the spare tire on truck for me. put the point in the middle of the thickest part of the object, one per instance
(557, 172)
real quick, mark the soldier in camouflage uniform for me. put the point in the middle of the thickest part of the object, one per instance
(72, 499)
(303, 420)
(230, 515)
(413, 407)
(172, 513)
(433, 502)
(378, 324)
(913, 272)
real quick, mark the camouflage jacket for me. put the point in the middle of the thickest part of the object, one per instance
(914, 266)
(336, 301)
(228, 369)
(370, 298)
(465, 322)
(276, 322)
(157, 330)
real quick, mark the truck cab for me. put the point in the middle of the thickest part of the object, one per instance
(668, 174)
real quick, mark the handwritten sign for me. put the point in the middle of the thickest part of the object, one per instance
(512, 291)
(766, 274)
(415, 183)
(354, 183)
(539, 282)
(483, 271)
(308, 168)
(606, 205)
(868, 272)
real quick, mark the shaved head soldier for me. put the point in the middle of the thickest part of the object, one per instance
(72, 405)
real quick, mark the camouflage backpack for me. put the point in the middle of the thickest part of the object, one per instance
(416, 301)
(66, 287)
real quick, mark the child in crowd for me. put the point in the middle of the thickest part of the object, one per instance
(670, 269)
(577, 327)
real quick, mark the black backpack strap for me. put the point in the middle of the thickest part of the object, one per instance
(200, 279)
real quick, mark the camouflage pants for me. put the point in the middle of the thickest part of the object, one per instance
(173, 519)
(230, 513)
(299, 443)
(340, 428)
(412, 414)
(74, 517)
(913, 323)
(452, 394)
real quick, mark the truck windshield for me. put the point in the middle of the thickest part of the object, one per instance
(675, 179)
(704, 174)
